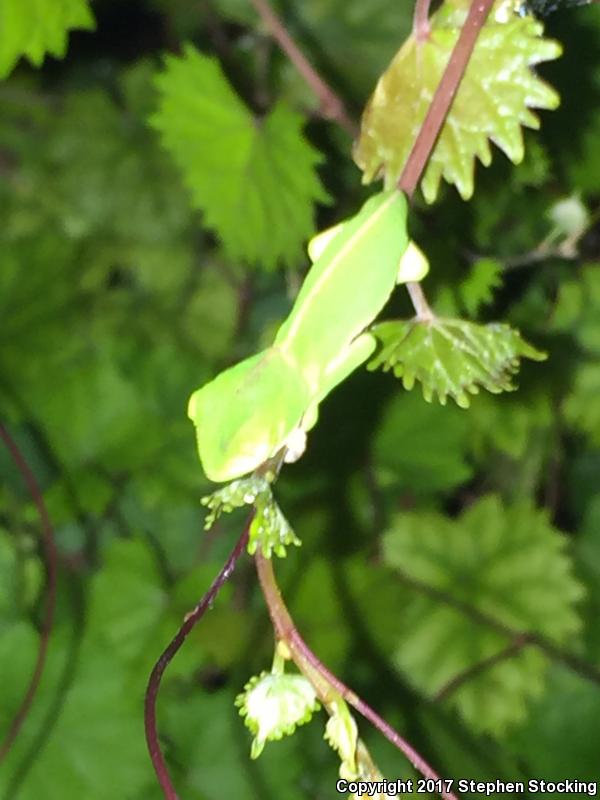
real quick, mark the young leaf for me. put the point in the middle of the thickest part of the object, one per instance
(274, 705)
(451, 356)
(492, 102)
(506, 562)
(342, 734)
(270, 532)
(33, 29)
(239, 493)
(254, 179)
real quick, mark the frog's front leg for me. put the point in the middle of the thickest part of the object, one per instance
(295, 445)
(351, 357)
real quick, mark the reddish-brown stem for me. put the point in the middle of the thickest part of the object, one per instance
(436, 114)
(331, 104)
(189, 621)
(309, 664)
(51, 570)
(574, 662)
(482, 666)
(444, 95)
(421, 20)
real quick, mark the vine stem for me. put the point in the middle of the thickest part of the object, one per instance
(51, 571)
(421, 27)
(444, 95)
(189, 621)
(308, 663)
(436, 114)
(331, 104)
(419, 301)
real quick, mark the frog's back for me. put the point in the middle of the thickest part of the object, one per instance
(351, 280)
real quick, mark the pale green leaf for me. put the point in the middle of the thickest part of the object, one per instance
(492, 102)
(254, 179)
(273, 705)
(505, 562)
(451, 357)
(342, 734)
(36, 27)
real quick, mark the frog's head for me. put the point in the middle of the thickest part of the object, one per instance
(244, 416)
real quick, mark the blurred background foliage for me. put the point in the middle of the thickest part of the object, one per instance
(450, 558)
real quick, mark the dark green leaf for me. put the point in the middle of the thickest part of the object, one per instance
(451, 357)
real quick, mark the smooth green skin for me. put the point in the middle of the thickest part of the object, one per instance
(249, 412)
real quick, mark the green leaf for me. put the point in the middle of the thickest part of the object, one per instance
(33, 29)
(342, 734)
(583, 166)
(505, 562)
(20, 574)
(273, 705)
(213, 756)
(319, 610)
(107, 419)
(451, 357)
(254, 179)
(588, 558)
(420, 448)
(581, 409)
(477, 289)
(577, 310)
(93, 732)
(492, 102)
(270, 532)
(127, 600)
(237, 494)
(560, 738)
